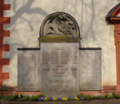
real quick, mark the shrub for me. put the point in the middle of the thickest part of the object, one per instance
(108, 96)
(24, 98)
(88, 97)
(113, 93)
(78, 95)
(117, 96)
(11, 98)
(33, 98)
(2, 97)
(100, 97)
(7, 97)
(41, 95)
(92, 96)
(15, 96)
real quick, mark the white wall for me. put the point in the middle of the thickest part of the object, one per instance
(27, 16)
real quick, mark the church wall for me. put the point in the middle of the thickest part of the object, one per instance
(28, 15)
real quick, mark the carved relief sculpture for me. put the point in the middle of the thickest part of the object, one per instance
(59, 24)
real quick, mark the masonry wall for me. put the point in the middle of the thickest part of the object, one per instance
(28, 15)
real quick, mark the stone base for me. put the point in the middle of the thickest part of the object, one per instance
(105, 89)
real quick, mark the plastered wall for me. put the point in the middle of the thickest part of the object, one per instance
(27, 16)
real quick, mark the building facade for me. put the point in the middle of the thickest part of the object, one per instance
(98, 20)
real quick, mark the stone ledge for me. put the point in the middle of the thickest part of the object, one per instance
(59, 39)
(28, 48)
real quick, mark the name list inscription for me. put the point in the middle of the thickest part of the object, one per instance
(58, 61)
(59, 69)
(52, 57)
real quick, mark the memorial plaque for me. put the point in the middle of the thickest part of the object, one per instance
(59, 69)
(28, 70)
(90, 70)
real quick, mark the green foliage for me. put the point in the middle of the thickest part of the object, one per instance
(8, 97)
(80, 95)
(108, 96)
(113, 93)
(41, 95)
(24, 98)
(92, 96)
(2, 98)
(116, 96)
(34, 98)
(15, 96)
(88, 97)
(100, 97)
(11, 98)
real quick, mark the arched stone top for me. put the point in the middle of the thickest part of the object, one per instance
(59, 24)
(113, 15)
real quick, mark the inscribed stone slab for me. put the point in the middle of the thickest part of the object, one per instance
(28, 70)
(90, 70)
(59, 69)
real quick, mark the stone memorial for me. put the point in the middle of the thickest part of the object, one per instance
(28, 70)
(58, 68)
(59, 61)
(90, 69)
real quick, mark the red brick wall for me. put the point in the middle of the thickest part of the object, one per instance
(6, 33)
